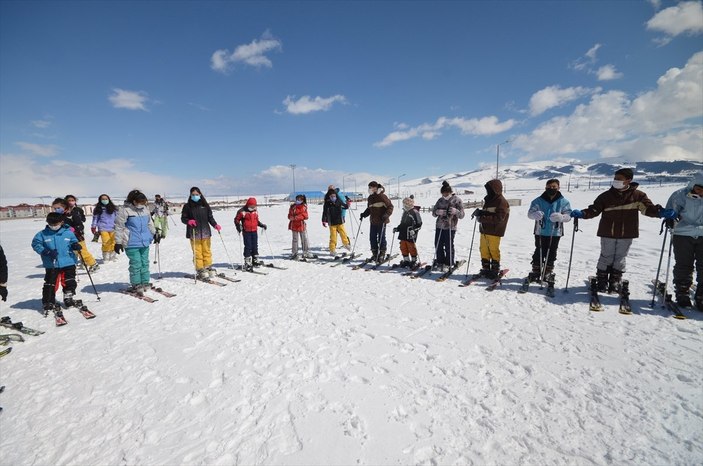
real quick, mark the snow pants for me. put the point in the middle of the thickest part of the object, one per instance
(334, 231)
(85, 255)
(490, 247)
(161, 225)
(251, 243)
(138, 265)
(202, 253)
(408, 248)
(545, 250)
(444, 243)
(377, 237)
(303, 236)
(688, 251)
(53, 278)
(613, 252)
(108, 239)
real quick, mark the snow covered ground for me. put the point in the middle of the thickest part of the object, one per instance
(322, 365)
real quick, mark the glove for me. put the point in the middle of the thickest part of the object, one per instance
(669, 214)
(396, 230)
(384, 218)
(118, 248)
(412, 233)
(3, 292)
(324, 224)
(263, 226)
(238, 226)
(218, 227)
(538, 215)
(453, 211)
(576, 213)
(440, 212)
(478, 213)
(670, 223)
(192, 223)
(348, 202)
(364, 214)
(93, 230)
(76, 247)
(50, 253)
(556, 217)
(157, 238)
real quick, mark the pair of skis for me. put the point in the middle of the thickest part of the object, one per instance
(6, 321)
(60, 319)
(595, 304)
(549, 280)
(668, 301)
(144, 297)
(494, 282)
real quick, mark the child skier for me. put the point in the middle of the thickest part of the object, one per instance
(332, 215)
(197, 214)
(247, 221)
(493, 220)
(410, 224)
(74, 217)
(160, 214)
(57, 244)
(297, 214)
(448, 209)
(104, 215)
(549, 211)
(619, 225)
(134, 231)
(379, 209)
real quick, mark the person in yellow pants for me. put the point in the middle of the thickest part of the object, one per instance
(197, 215)
(332, 216)
(104, 215)
(493, 218)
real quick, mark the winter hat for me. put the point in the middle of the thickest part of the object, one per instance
(251, 202)
(54, 218)
(626, 172)
(408, 203)
(141, 197)
(446, 189)
(373, 184)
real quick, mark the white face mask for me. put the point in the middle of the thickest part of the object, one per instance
(55, 227)
(372, 190)
(447, 196)
(618, 184)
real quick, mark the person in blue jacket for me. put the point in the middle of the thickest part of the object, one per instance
(57, 246)
(134, 231)
(549, 211)
(687, 241)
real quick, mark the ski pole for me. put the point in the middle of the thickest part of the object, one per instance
(226, 252)
(266, 235)
(471, 246)
(195, 260)
(91, 280)
(158, 260)
(659, 266)
(356, 236)
(571, 253)
(668, 263)
(546, 258)
(390, 253)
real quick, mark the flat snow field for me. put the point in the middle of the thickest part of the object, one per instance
(330, 366)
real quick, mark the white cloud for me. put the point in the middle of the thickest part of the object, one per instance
(131, 100)
(42, 124)
(608, 73)
(306, 104)
(42, 150)
(588, 59)
(656, 4)
(613, 122)
(683, 18)
(252, 54)
(555, 96)
(485, 126)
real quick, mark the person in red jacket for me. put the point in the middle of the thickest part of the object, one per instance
(247, 223)
(297, 214)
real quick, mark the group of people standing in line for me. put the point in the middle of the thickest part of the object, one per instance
(133, 227)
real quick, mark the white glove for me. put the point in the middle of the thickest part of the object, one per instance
(440, 212)
(453, 211)
(538, 215)
(556, 217)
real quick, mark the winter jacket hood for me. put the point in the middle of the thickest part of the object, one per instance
(496, 210)
(493, 188)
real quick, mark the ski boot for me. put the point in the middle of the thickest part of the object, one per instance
(212, 273)
(381, 256)
(614, 281)
(683, 298)
(47, 307)
(202, 274)
(601, 281)
(68, 299)
(347, 246)
(374, 255)
(93, 268)
(495, 269)
(248, 264)
(256, 262)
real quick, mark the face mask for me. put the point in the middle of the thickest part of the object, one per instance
(195, 197)
(551, 192)
(333, 198)
(251, 209)
(59, 210)
(407, 207)
(55, 227)
(618, 184)
(71, 203)
(447, 196)
(104, 201)
(372, 190)
(298, 202)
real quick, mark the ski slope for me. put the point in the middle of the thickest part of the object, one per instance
(329, 366)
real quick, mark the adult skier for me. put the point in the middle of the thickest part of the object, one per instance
(379, 209)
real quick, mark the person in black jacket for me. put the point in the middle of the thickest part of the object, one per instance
(74, 217)
(410, 224)
(332, 216)
(3, 275)
(197, 214)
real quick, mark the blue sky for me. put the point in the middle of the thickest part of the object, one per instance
(106, 96)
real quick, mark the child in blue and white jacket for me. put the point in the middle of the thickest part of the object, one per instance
(134, 231)
(549, 211)
(57, 245)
